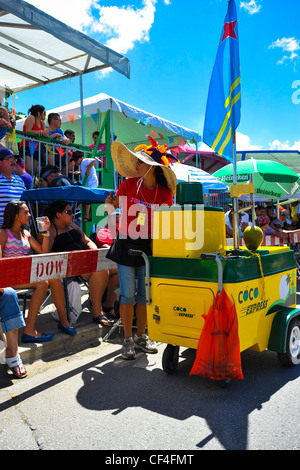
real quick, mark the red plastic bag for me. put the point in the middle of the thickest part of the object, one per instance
(218, 354)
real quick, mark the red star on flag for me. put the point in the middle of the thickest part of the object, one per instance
(229, 30)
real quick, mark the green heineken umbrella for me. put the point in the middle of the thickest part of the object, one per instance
(272, 180)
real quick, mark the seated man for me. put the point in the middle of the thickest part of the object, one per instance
(244, 215)
(229, 225)
(264, 223)
(53, 177)
(70, 135)
(54, 131)
(6, 122)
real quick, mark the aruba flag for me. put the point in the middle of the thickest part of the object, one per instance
(223, 109)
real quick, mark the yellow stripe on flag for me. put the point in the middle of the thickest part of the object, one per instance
(227, 117)
(225, 142)
(233, 87)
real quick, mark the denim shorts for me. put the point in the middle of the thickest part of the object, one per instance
(11, 317)
(130, 290)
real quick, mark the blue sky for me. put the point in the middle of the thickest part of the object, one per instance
(172, 44)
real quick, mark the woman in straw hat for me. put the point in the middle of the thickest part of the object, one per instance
(150, 183)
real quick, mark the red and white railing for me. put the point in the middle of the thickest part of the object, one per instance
(269, 240)
(27, 269)
(294, 238)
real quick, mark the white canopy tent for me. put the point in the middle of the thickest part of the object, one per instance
(130, 124)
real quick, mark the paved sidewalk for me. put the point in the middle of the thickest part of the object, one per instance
(88, 334)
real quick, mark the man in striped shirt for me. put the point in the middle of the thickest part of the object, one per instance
(11, 185)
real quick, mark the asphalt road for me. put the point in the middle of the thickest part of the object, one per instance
(95, 400)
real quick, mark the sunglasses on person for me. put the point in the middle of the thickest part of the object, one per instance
(8, 159)
(69, 212)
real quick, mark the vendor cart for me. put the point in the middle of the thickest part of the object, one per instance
(182, 282)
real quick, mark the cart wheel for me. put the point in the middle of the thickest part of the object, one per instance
(292, 355)
(170, 358)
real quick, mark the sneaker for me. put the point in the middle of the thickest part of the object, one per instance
(128, 351)
(143, 342)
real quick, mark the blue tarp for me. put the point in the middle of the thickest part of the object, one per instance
(74, 193)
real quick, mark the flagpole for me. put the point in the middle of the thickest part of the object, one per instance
(236, 239)
(82, 110)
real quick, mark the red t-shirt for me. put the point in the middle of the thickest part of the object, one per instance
(139, 205)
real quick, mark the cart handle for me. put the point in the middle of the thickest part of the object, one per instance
(217, 258)
(133, 252)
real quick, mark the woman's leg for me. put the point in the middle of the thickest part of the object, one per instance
(12, 320)
(11, 354)
(97, 284)
(58, 296)
(126, 314)
(40, 289)
(127, 297)
(12, 343)
(141, 319)
(141, 340)
(28, 164)
(87, 211)
(113, 281)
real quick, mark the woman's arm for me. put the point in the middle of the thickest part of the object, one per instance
(85, 239)
(36, 246)
(3, 239)
(111, 203)
(42, 247)
(29, 123)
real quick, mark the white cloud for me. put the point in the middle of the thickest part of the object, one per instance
(125, 26)
(74, 13)
(243, 142)
(277, 145)
(251, 7)
(290, 45)
(117, 27)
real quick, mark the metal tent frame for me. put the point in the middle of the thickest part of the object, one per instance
(37, 49)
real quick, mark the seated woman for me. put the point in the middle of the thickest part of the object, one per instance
(66, 236)
(34, 124)
(16, 241)
(11, 319)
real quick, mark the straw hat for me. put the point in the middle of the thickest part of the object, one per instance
(125, 161)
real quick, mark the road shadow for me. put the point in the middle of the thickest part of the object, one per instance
(125, 384)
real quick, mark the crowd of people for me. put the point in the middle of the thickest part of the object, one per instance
(266, 217)
(149, 181)
(16, 240)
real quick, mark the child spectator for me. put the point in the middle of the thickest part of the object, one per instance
(88, 176)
